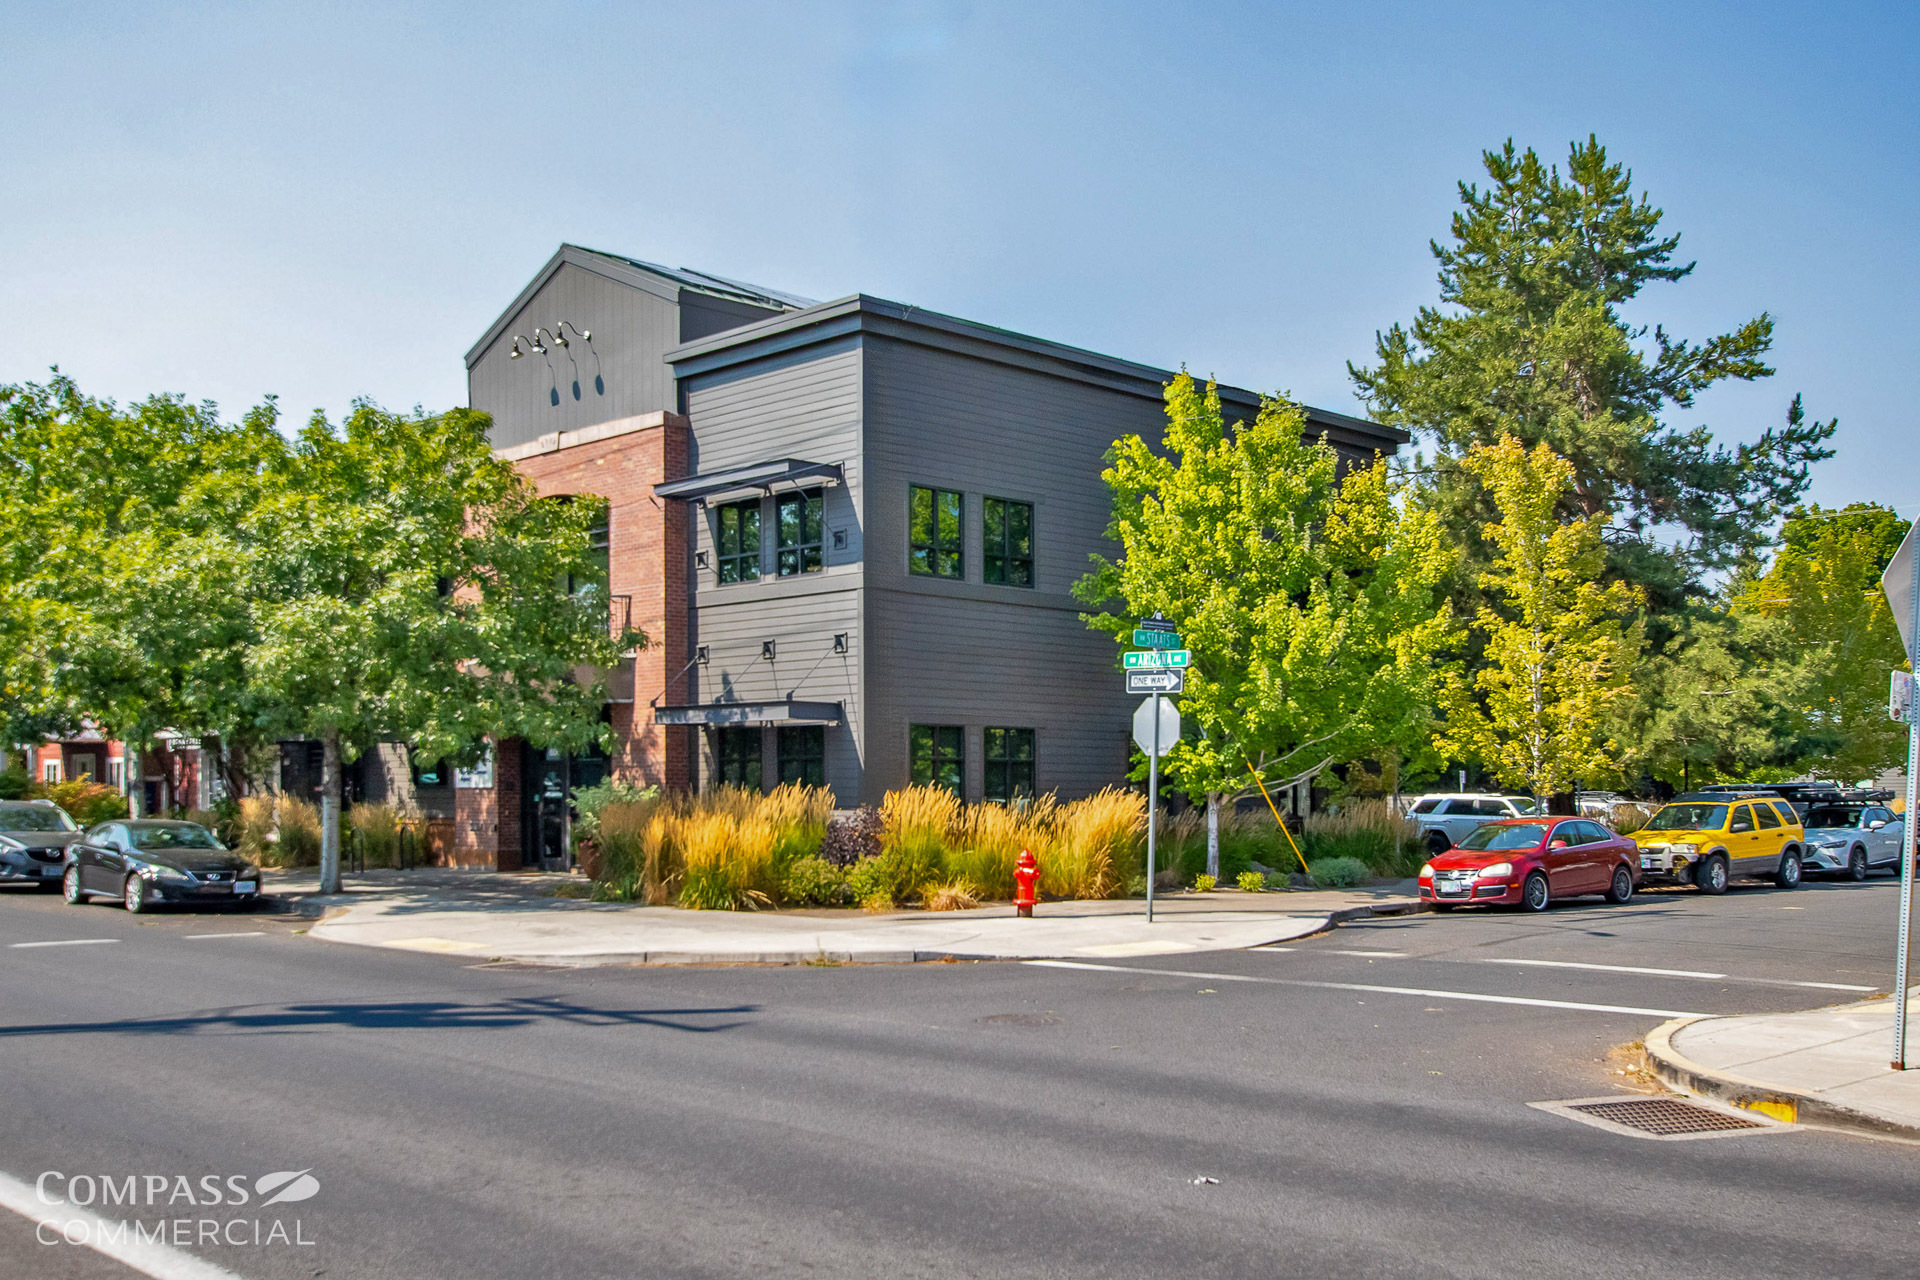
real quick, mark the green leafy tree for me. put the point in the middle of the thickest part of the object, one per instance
(1536, 713)
(1824, 585)
(1529, 340)
(1309, 600)
(410, 585)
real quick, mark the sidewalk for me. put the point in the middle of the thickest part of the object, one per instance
(1821, 1066)
(510, 918)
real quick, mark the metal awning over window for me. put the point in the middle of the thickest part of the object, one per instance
(760, 477)
(719, 713)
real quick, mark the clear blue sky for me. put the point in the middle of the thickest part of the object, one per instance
(233, 200)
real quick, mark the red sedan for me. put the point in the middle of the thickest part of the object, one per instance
(1528, 862)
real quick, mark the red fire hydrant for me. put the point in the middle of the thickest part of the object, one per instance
(1026, 883)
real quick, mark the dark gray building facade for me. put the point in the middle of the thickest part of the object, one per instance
(885, 510)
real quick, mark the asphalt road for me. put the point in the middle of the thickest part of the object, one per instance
(1360, 1098)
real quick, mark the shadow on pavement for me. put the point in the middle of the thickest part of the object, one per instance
(418, 1015)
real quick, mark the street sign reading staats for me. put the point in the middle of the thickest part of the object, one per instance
(1157, 658)
(1157, 639)
(1168, 681)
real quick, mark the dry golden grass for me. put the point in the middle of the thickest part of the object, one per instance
(987, 840)
(957, 894)
(1095, 842)
(378, 828)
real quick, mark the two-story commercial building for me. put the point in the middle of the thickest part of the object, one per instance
(849, 530)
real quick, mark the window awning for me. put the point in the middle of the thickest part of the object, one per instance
(718, 713)
(760, 477)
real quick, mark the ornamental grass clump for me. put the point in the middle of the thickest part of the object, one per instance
(1097, 845)
(915, 823)
(1371, 831)
(726, 862)
(292, 832)
(376, 828)
(987, 841)
(957, 894)
(726, 849)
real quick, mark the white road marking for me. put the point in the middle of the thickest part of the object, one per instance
(1273, 948)
(117, 1240)
(1702, 974)
(64, 942)
(1371, 955)
(199, 937)
(1423, 992)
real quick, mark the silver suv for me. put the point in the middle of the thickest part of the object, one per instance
(1852, 839)
(1445, 820)
(34, 835)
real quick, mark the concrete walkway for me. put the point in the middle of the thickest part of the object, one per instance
(481, 916)
(1820, 1066)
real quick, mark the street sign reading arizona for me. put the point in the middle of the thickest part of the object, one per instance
(1158, 658)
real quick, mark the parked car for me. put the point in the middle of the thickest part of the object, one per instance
(147, 861)
(1706, 838)
(34, 835)
(1853, 837)
(1528, 862)
(1445, 820)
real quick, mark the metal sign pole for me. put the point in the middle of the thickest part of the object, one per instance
(1153, 800)
(1907, 829)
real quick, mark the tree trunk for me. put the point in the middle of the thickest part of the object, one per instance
(130, 754)
(330, 811)
(1213, 834)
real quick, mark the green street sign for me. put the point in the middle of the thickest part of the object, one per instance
(1157, 639)
(1158, 658)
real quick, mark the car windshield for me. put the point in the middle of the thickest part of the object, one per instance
(1524, 805)
(1833, 817)
(184, 836)
(1492, 839)
(1689, 817)
(36, 817)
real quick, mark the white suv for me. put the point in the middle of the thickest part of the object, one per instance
(1445, 820)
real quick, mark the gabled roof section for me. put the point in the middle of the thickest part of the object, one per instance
(662, 282)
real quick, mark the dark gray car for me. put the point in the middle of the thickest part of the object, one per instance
(147, 861)
(34, 836)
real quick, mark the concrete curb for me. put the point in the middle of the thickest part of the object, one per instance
(1681, 1072)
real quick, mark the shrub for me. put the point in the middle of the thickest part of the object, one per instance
(1252, 882)
(852, 837)
(871, 884)
(957, 894)
(377, 829)
(815, 882)
(1337, 873)
(1372, 831)
(1203, 883)
(590, 802)
(15, 784)
(88, 802)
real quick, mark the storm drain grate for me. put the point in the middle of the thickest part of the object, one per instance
(1665, 1117)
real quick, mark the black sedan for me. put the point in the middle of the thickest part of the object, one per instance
(147, 861)
(34, 837)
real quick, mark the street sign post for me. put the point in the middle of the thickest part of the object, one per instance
(1164, 681)
(1157, 722)
(1150, 658)
(1902, 584)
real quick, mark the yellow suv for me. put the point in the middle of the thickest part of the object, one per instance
(1706, 838)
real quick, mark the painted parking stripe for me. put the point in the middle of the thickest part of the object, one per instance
(63, 942)
(202, 937)
(1423, 992)
(1677, 973)
(116, 1240)
(1371, 955)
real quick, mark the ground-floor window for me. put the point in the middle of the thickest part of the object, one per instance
(50, 771)
(1009, 760)
(739, 756)
(803, 754)
(939, 753)
(116, 774)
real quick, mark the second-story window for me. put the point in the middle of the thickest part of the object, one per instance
(797, 525)
(1008, 536)
(933, 533)
(736, 538)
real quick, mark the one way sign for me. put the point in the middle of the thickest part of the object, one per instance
(1156, 681)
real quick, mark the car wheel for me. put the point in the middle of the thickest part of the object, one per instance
(136, 895)
(1622, 887)
(70, 888)
(1788, 876)
(1534, 895)
(1857, 864)
(1437, 843)
(1711, 878)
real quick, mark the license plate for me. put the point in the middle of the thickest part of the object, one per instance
(244, 886)
(1645, 863)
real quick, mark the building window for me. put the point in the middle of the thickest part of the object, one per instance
(803, 754)
(599, 544)
(117, 774)
(1009, 764)
(50, 771)
(740, 756)
(933, 533)
(939, 754)
(737, 540)
(1008, 535)
(796, 522)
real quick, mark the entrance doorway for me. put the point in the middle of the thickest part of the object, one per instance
(549, 779)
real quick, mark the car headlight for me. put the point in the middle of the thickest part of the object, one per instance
(1426, 872)
(1495, 871)
(153, 871)
(1684, 848)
